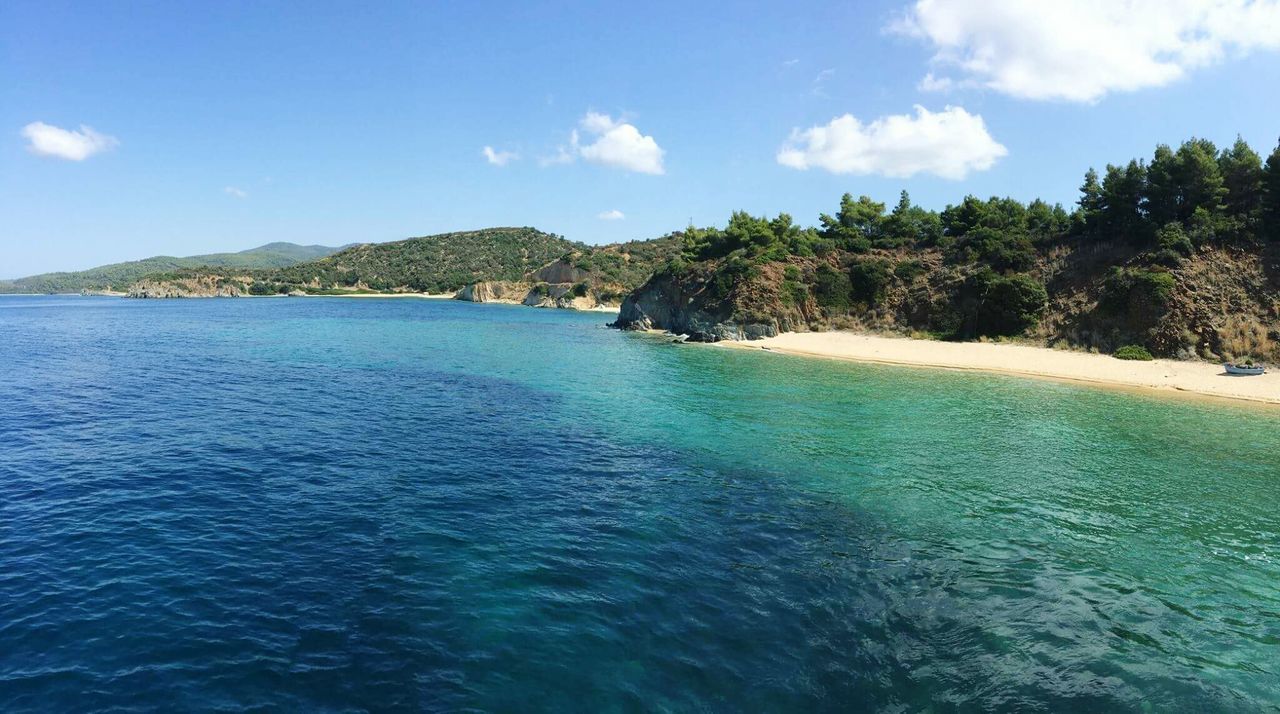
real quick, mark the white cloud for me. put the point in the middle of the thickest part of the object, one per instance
(819, 87)
(931, 83)
(949, 143)
(235, 192)
(1082, 50)
(562, 156)
(47, 140)
(498, 158)
(613, 215)
(618, 144)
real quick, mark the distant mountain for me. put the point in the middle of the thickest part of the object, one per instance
(118, 276)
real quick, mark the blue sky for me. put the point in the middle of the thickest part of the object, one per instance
(221, 126)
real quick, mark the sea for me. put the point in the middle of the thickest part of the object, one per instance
(334, 504)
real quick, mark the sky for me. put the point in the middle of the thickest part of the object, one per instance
(131, 129)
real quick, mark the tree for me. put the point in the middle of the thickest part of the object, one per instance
(1200, 178)
(1270, 198)
(855, 225)
(961, 219)
(1090, 204)
(1123, 212)
(1181, 183)
(1045, 222)
(899, 228)
(908, 224)
(1241, 169)
(1163, 194)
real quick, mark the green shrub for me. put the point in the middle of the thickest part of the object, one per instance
(580, 290)
(832, 289)
(907, 270)
(794, 292)
(1134, 352)
(733, 271)
(869, 279)
(1167, 258)
(1002, 251)
(990, 304)
(1173, 237)
(1127, 288)
(1006, 305)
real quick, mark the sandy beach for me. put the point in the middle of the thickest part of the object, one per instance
(428, 296)
(613, 309)
(1201, 378)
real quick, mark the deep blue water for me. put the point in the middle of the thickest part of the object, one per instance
(334, 504)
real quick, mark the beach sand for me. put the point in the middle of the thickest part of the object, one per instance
(612, 309)
(1200, 378)
(429, 296)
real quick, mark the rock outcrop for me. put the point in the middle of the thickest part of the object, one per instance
(494, 291)
(693, 305)
(553, 295)
(193, 287)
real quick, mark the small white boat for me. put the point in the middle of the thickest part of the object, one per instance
(1243, 369)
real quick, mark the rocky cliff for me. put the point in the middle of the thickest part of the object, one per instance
(697, 305)
(191, 287)
(573, 296)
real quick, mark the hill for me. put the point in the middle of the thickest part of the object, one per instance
(432, 264)
(119, 276)
(1180, 256)
(509, 264)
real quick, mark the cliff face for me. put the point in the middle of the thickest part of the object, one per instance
(707, 309)
(193, 287)
(563, 295)
(493, 291)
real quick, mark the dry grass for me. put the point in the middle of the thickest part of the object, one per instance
(1244, 336)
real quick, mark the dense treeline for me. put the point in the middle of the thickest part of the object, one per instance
(1184, 200)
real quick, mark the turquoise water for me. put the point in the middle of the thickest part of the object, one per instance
(329, 504)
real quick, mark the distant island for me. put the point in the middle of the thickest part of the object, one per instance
(1177, 257)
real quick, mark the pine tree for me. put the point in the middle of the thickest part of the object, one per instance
(1242, 174)
(1270, 196)
(1090, 203)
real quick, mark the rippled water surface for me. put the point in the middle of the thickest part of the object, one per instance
(329, 504)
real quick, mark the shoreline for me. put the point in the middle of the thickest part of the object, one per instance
(609, 309)
(451, 296)
(1200, 379)
(424, 296)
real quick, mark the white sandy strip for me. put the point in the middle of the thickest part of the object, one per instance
(449, 296)
(429, 296)
(1194, 377)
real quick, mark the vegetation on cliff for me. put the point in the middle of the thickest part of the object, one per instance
(1178, 255)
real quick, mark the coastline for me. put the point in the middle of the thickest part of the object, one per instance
(612, 309)
(424, 296)
(1161, 375)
